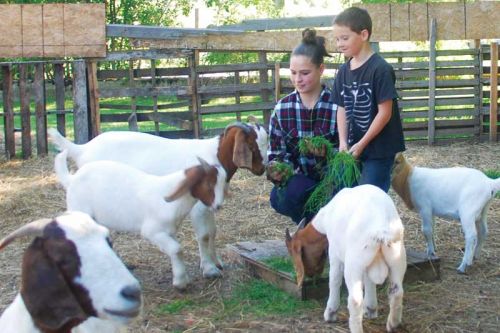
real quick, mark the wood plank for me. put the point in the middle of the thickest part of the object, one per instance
(157, 32)
(132, 120)
(400, 22)
(40, 111)
(265, 93)
(230, 89)
(235, 108)
(482, 20)
(60, 97)
(147, 54)
(418, 21)
(494, 92)
(93, 90)
(381, 18)
(432, 82)
(80, 106)
(281, 23)
(450, 18)
(24, 100)
(155, 97)
(145, 92)
(11, 33)
(195, 97)
(53, 30)
(8, 111)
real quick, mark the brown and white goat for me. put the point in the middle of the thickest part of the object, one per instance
(459, 193)
(364, 236)
(72, 281)
(240, 146)
(123, 198)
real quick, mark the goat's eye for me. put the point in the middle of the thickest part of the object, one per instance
(110, 243)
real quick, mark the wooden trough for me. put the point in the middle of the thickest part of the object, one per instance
(254, 254)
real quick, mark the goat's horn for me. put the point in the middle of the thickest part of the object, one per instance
(34, 228)
(302, 224)
(287, 235)
(203, 163)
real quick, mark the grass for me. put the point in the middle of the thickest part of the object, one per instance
(254, 298)
(493, 174)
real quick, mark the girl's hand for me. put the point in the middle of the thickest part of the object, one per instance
(278, 172)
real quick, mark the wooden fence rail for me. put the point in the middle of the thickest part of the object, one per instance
(460, 86)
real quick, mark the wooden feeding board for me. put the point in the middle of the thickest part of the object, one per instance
(255, 254)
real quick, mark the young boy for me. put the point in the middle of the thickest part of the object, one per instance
(368, 118)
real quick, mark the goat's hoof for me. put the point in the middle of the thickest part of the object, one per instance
(212, 273)
(370, 313)
(462, 270)
(330, 316)
(181, 285)
(392, 327)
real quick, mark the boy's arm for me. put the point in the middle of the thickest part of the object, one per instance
(342, 128)
(381, 119)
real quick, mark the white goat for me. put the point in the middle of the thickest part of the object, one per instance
(364, 236)
(127, 199)
(72, 281)
(458, 193)
(241, 146)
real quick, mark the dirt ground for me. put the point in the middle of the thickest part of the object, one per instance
(456, 303)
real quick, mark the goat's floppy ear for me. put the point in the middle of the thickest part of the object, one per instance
(47, 297)
(294, 247)
(192, 175)
(242, 155)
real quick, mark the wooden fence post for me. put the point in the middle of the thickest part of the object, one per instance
(24, 99)
(95, 116)
(132, 120)
(40, 110)
(237, 95)
(8, 112)
(494, 91)
(155, 96)
(277, 81)
(431, 130)
(60, 97)
(195, 99)
(80, 109)
(266, 114)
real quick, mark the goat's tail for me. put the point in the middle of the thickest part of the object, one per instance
(61, 168)
(496, 186)
(388, 242)
(62, 143)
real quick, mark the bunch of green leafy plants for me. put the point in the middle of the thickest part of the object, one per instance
(284, 169)
(341, 171)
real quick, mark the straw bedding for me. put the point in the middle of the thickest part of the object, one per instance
(457, 303)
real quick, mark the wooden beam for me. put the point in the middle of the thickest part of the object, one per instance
(432, 83)
(95, 125)
(24, 99)
(146, 54)
(494, 92)
(80, 108)
(60, 97)
(281, 23)
(40, 110)
(8, 112)
(195, 97)
(156, 32)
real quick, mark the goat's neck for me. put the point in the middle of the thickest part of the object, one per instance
(225, 155)
(16, 318)
(401, 184)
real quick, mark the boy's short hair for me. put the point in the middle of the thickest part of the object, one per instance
(356, 19)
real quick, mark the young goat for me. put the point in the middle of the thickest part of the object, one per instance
(127, 199)
(72, 281)
(364, 236)
(241, 146)
(458, 193)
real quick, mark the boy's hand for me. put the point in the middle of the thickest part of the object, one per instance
(356, 150)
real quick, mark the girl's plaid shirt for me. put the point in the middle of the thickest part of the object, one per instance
(291, 121)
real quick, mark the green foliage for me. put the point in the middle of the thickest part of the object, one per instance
(283, 264)
(261, 298)
(341, 171)
(175, 306)
(493, 174)
(285, 169)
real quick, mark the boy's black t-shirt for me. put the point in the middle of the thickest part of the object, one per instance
(359, 92)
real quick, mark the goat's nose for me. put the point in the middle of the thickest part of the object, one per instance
(132, 293)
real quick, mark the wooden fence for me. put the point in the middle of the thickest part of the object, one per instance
(445, 95)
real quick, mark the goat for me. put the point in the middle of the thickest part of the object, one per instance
(364, 236)
(72, 281)
(458, 193)
(124, 198)
(240, 146)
